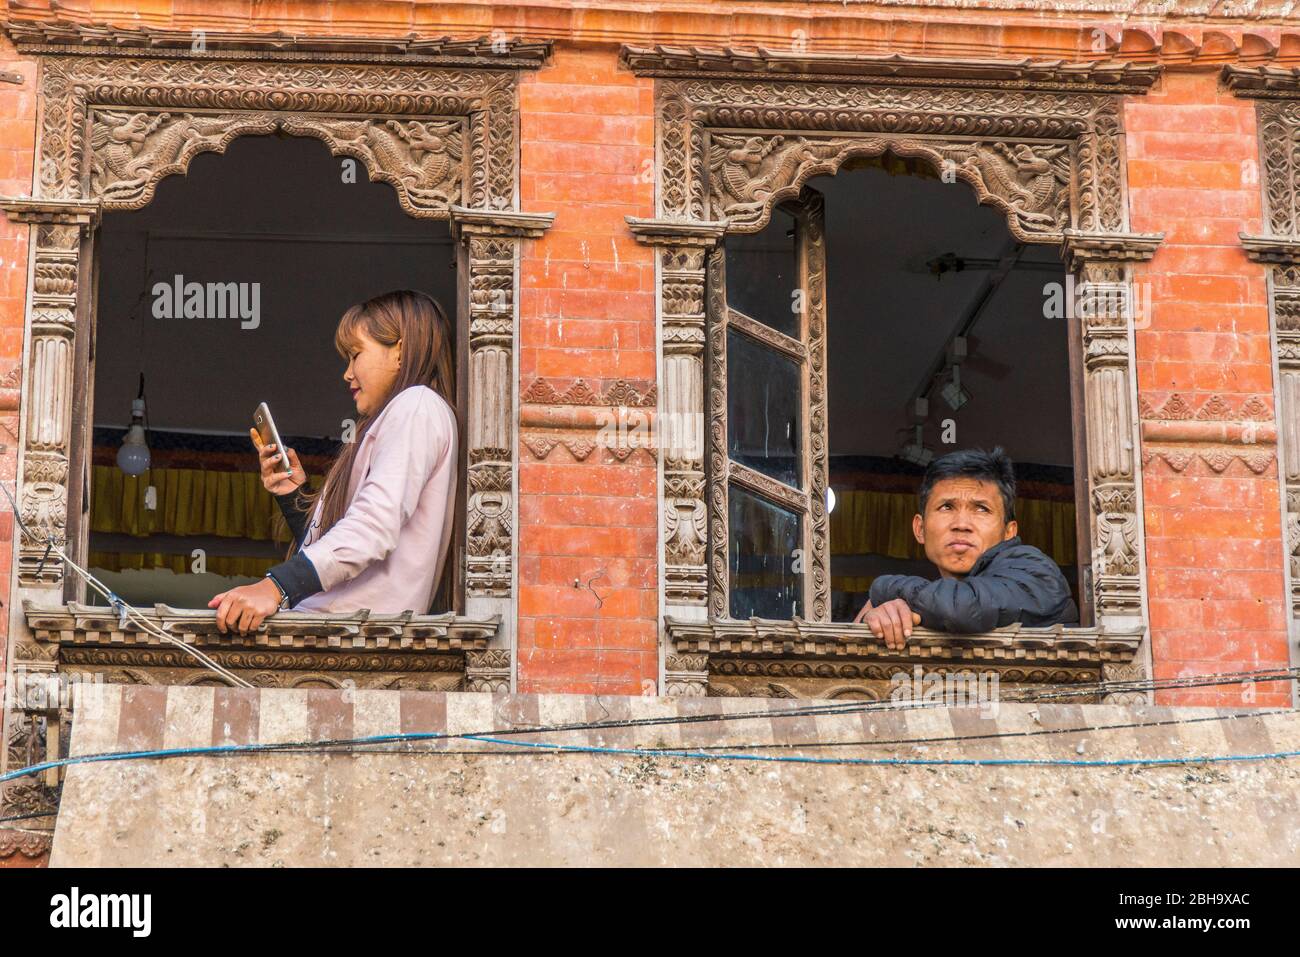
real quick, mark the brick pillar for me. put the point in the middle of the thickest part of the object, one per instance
(1212, 509)
(588, 541)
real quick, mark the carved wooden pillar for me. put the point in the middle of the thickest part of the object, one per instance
(59, 231)
(46, 424)
(489, 240)
(1286, 317)
(1282, 254)
(1277, 117)
(1101, 264)
(683, 248)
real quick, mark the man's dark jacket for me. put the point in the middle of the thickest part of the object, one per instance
(1010, 582)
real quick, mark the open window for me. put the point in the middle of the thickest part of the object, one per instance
(775, 480)
(223, 292)
(879, 320)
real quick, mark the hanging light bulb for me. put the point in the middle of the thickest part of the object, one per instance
(133, 456)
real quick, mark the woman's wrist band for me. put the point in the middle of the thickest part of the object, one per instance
(284, 595)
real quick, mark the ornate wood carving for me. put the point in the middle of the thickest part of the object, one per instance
(718, 466)
(116, 119)
(487, 670)
(1049, 160)
(686, 676)
(490, 237)
(292, 649)
(1286, 317)
(683, 249)
(799, 659)
(747, 173)
(43, 496)
(1043, 145)
(27, 745)
(1116, 76)
(148, 118)
(1278, 121)
(490, 522)
(812, 279)
(57, 36)
(113, 127)
(1105, 291)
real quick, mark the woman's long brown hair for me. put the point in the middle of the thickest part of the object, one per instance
(422, 326)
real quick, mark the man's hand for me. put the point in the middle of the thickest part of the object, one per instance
(246, 607)
(892, 622)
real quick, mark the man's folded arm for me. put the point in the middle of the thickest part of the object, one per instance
(1021, 588)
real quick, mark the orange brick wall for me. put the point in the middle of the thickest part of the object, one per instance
(587, 299)
(587, 310)
(1214, 546)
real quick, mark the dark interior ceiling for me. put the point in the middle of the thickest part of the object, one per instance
(889, 318)
(274, 210)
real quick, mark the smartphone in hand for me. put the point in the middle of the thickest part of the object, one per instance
(269, 434)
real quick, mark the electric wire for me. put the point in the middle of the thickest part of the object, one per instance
(28, 817)
(888, 742)
(734, 753)
(499, 735)
(549, 747)
(124, 611)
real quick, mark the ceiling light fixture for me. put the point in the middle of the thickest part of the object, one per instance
(133, 457)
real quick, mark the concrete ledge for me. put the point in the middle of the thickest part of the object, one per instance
(522, 808)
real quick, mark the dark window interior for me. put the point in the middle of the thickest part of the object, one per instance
(280, 212)
(913, 265)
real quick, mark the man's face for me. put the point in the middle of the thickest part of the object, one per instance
(964, 518)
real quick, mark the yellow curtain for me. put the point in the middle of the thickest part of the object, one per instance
(874, 523)
(190, 502)
(880, 523)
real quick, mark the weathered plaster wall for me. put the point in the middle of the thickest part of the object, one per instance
(582, 809)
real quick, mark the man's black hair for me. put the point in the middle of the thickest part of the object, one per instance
(977, 464)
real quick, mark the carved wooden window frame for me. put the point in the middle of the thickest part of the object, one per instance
(808, 351)
(113, 122)
(784, 119)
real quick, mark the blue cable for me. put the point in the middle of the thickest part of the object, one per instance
(974, 762)
(640, 752)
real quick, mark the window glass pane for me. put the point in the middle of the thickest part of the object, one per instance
(761, 275)
(763, 538)
(763, 409)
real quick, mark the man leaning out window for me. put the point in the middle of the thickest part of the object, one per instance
(987, 577)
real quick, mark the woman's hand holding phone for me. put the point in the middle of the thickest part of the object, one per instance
(274, 478)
